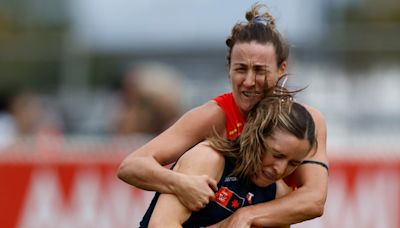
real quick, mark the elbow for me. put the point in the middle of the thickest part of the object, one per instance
(124, 171)
(313, 202)
(316, 209)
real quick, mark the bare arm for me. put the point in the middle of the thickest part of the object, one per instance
(306, 202)
(282, 189)
(196, 161)
(143, 168)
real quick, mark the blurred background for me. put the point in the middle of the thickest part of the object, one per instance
(85, 82)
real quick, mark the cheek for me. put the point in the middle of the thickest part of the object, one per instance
(260, 81)
(267, 160)
(272, 80)
(235, 79)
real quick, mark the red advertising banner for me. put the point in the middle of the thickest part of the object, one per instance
(361, 193)
(67, 191)
(82, 190)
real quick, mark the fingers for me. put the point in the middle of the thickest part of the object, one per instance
(199, 205)
(200, 191)
(214, 187)
(213, 184)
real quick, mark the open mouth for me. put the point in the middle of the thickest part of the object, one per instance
(251, 94)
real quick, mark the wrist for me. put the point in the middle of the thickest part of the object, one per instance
(244, 215)
(174, 181)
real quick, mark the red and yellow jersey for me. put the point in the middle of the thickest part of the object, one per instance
(234, 120)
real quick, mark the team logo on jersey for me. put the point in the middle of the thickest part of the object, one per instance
(229, 199)
(236, 130)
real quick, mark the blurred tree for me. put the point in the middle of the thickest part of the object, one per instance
(31, 39)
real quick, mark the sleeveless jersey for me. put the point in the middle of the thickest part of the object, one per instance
(234, 120)
(233, 193)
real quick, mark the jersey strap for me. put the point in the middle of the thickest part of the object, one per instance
(316, 163)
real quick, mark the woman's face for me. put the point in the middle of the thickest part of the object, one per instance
(284, 153)
(252, 66)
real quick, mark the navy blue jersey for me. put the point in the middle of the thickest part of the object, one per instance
(233, 193)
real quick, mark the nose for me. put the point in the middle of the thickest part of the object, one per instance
(250, 79)
(280, 168)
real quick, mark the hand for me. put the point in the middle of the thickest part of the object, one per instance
(195, 192)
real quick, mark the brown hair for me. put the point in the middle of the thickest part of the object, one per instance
(260, 27)
(276, 111)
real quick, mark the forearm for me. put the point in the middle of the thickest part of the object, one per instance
(169, 212)
(298, 206)
(146, 173)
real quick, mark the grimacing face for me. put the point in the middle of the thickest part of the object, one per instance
(252, 65)
(285, 152)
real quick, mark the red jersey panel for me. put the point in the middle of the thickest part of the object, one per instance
(234, 120)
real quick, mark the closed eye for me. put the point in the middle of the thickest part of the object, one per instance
(277, 155)
(240, 70)
(261, 71)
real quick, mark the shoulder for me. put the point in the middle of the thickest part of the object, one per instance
(319, 120)
(319, 152)
(200, 158)
(191, 128)
(317, 115)
(203, 153)
(211, 107)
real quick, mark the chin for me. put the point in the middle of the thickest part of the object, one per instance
(262, 183)
(248, 106)
(253, 103)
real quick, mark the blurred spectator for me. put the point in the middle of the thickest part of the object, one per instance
(26, 116)
(150, 99)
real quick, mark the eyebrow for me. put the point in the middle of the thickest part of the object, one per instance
(255, 65)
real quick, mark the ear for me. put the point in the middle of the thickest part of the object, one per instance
(282, 69)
